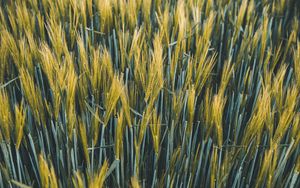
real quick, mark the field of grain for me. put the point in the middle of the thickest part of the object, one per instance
(150, 93)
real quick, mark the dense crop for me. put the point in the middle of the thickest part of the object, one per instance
(149, 93)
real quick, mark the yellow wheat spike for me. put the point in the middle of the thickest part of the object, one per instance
(250, 10)
(255, 40)
(154, 83)
(146, 8)
(268, 76)
(13, 21)
(155, 75)
(48, 177)
(105, 8)
(140, 69)
(292, 39)
(174, 157)
(202, 45)
(266, 61)
(191, 107)
(33, 95)
(114, 4)
(69, 86)
(24, 19)
(247, 80)
(297, 64)
(82, 91)
(177, 105)
(244, 47)
(33, 44)
(83, 57)
(225, 169)
(264, 35)
(207, 109)
(203, 71)
(277, 87)
(188, 78)
(78, 180)
(53, 11)
(51, 68)
(132, 13)
(278, 52)
(33, 4)
(125, 104)
(98, 180)
(136, 43)
(155, 127)
(3, 64)
(11, 45)
(120, 7)
(135, 182)
(273, 165)
(209, 7)
(53, 178)
(96, 73)
(112, 97)
(143, 126)
(265, 170)
(40, 25)
(278, 7)
(218, 105)
(84, 140)
(240, 18)
(261, 113)
(201, 51)
(180, 27)
(180, 20)
(45, 4)
(82, 11)
(209, 26)
(158, 4)
(20, 117)
(286, 117)
(196, 15)
(199, 5)
(226, 75)
(57, 37)
(60, 7)
(5, 116)
(163, 19)
(44, 172)
(108, 68)
(3, 23)
(95, 125)
(26, 56)
(123, 43)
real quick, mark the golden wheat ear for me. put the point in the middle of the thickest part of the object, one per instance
(149, 93)
(5, 116)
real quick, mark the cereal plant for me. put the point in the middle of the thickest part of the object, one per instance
(149, 93)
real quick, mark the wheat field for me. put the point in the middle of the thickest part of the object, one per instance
(150, 93)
